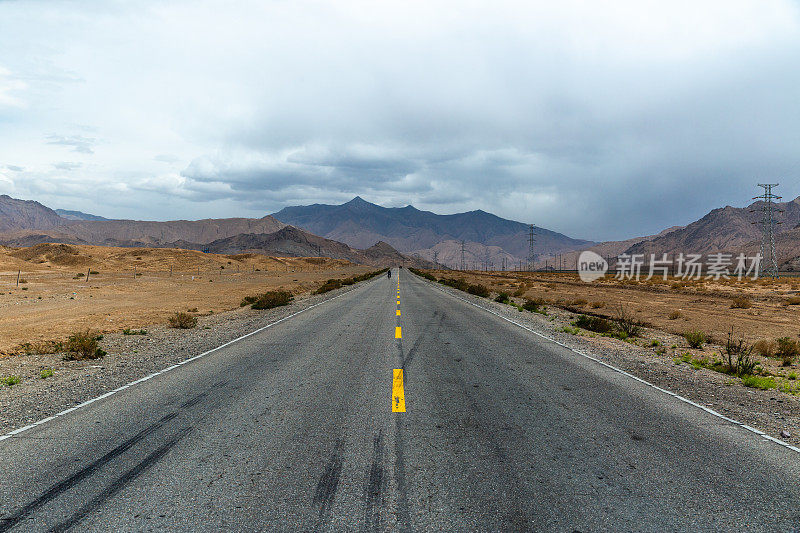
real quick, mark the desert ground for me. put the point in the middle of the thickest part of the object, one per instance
(755, 310)
(135, 287)
(771, 308)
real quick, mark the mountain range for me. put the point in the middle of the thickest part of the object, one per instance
(410, 230)
(362, 232)
(27, 223)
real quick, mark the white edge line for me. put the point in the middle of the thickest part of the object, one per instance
(628, 374)
(16, 432)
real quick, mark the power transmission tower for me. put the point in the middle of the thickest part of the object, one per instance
(486, 259)
(462, 255)
(531, 253)
(769, 259)
(435, 257)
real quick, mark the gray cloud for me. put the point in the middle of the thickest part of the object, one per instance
(598, 121)
(15, 168)
(79, 143)
(66, 165)
(166, 158)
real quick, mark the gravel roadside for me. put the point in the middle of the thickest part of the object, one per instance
(770, 411)
(129, 357)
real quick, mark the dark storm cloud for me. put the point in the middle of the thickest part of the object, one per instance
(600, 120)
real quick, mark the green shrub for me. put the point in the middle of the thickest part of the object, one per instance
(696, 339)
(129, 331)
(271, 299)
(181, 320)
(11, 380)
(84, 345)
(46, 373)
(758, 382)
(503, 298)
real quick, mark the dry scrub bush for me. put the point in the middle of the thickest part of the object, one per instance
(627, 323)
(598, 304)
(675, 315)
(765, 348)
(696, 339)
(478, 290)
(271, 299)
(520, 291)
(84, 345)
(788, 350)
(740, 302)
(40, 347)
(738, 356)
(181, 320)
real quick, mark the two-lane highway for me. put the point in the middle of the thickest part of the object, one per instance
(371, 412)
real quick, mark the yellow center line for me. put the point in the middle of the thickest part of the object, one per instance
(398, 312)
(397, 333)
(398, 394)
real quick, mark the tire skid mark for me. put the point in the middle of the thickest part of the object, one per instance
(374, 487)
(120, 483)
(194, 401)
(329, 482)
(82, 474)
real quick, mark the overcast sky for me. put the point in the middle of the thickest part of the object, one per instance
(597, 119)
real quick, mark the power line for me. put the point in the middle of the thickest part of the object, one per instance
(531, 253)
(769, 259)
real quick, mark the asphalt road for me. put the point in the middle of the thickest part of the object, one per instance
(297, 428)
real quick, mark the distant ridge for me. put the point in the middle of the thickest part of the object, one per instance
(77, 215)
(28, 223)
(411, 230)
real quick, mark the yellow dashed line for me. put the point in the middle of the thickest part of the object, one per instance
(398, 394)
(397, 333)
(398, 312)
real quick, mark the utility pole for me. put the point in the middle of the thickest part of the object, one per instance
(531, 253)
(486, 259)
(435, 258)
(462, 254)
(769, 259)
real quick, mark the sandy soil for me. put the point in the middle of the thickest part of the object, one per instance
(54, 299)
(673, 306)
(704, 305)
